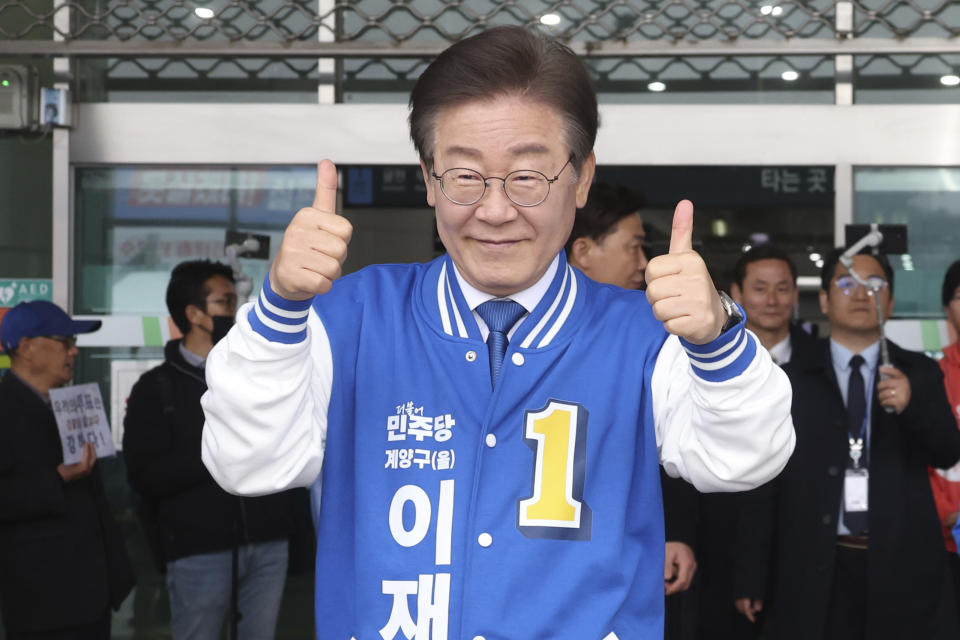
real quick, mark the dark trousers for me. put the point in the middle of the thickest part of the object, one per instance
(847, 615)
(953, 562)
(99, 629)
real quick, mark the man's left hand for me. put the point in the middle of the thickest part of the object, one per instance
(894, 390)
(680, 288)
(679, 567)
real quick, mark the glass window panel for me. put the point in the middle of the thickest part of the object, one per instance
(134, 224)
(927, 200)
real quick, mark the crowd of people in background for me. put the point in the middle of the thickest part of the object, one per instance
(787, 560)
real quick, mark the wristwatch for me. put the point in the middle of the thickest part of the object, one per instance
(733, 312)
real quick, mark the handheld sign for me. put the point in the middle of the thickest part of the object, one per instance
(81, 418)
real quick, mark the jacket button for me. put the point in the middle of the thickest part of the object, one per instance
(517, 359)
(827, 519)
(491, 440)
(833, 471)
(471, 356)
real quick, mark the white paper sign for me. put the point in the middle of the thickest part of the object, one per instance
(81, 418)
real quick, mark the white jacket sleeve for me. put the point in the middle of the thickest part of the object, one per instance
(722, 412)
(266, 401)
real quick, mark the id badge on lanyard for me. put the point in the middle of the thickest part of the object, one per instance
(855, 493)
(856, 480)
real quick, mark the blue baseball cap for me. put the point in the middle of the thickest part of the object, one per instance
(39, 318)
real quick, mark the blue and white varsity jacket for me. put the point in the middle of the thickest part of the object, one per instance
(452, 509)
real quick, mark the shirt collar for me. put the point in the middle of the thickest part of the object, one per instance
(529, 298)
(841, 355)
(782, 351)
(192, 359)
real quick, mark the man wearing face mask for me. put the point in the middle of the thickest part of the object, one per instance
(207, 540)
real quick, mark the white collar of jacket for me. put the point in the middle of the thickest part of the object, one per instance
(443, 299)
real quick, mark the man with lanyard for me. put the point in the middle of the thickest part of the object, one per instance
(490, 425)
(851, 528)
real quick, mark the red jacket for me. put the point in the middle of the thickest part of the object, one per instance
(946, 483)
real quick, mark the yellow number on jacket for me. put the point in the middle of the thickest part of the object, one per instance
(557, 434)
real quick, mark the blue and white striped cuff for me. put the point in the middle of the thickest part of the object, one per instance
(725, 357)
(278, 319)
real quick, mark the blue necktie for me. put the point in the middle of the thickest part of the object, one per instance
(500, 316)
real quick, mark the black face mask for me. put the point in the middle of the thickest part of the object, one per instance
(221, 325)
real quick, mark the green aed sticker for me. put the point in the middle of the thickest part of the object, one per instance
(15, 291)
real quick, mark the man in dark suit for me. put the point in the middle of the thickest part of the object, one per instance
(63, 564)
(765, 285)
(851, 522)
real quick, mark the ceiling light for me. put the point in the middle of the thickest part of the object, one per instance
(203, 12)
(550, 19)
(790, 75)
(815, 256)
(950, 80)
(657, 86)
(777, 11)
(766, 9)
(819, 264)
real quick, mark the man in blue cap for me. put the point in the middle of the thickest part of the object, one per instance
(63, 564)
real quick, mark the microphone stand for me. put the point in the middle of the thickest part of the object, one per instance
(872, 239)
(243, 282)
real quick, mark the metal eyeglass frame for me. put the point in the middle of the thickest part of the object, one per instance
(503, 180)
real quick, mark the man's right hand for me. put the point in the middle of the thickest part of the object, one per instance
(749, 607)
(77, 470)
(314, 245)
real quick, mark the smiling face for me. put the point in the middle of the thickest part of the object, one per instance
(855, 312)
(499, 247)
(768, 295)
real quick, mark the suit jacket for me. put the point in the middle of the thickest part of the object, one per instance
(798, 524)
(62, 557)
(725, 556)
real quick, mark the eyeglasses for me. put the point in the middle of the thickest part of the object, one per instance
(229, 301)
(847, 284)
(68, 342)
(524, 187)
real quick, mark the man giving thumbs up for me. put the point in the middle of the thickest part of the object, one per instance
(488, 426)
